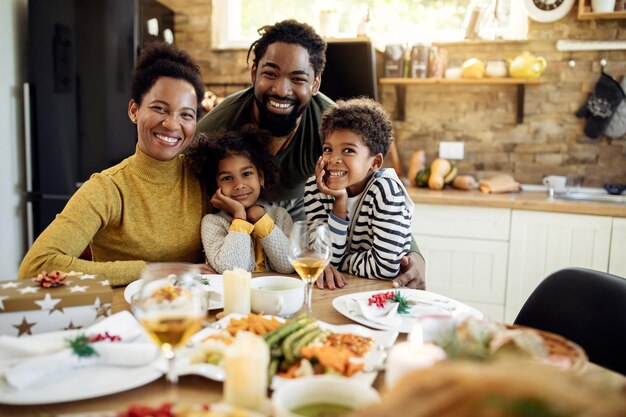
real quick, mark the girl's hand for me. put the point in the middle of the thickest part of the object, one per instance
(230, 206)
(254, 213)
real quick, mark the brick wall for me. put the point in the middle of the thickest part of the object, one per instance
(551, 139)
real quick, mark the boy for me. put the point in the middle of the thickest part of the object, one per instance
(367, 208)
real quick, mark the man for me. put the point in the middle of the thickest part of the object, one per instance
(286, 72)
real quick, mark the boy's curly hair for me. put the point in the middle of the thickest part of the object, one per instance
(366, 118)
(206, 152)
(160, 59)
(293, 32)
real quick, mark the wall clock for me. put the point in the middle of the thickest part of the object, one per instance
(548, 10)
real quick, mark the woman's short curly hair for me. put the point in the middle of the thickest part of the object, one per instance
(160, 59)
(206, 152)
(366, 118)
(293, 32)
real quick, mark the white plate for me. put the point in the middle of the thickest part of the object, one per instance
(80, 384)
(438, 304)
(220, 409)
(383, 340)
(215, 284)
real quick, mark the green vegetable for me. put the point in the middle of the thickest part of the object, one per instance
(289, 340)
(421, 179)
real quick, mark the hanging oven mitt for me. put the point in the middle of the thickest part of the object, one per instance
(601, 105)
(617, 127)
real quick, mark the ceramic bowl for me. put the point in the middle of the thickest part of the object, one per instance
(276, 295)
(614, 189)
(322, 390)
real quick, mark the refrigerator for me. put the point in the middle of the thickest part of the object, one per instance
(80, 59)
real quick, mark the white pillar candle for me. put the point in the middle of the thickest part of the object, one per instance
(405, 358)
(237, 291)
(246, 362)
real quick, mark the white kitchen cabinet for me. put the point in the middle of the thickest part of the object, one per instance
(617, 257)
(543, 242)
(466, 253)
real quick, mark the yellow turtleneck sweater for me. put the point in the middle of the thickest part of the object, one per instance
(141, 210)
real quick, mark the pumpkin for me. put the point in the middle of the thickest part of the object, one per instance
(438, 170)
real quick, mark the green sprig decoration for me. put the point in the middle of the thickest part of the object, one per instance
(404, 304)
(81, 347)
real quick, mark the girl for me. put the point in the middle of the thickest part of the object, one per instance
(243, 232)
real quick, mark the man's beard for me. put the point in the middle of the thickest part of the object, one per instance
(278, 124)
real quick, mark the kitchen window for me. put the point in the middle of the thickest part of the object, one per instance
(235, 22)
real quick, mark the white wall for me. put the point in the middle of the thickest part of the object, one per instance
(13, 24)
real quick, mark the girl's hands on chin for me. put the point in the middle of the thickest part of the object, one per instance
(230, 206)
(254, 213)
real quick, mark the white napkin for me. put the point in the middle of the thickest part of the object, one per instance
(27, 359)
(387, 316)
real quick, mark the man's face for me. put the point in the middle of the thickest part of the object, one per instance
(284, 83)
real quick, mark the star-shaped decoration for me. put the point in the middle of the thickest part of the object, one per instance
(12, 284)
(29, 290)
(2, 298)
(104, 283)
(48, 302)
(103, 311)
(24, 327)
(78, 288)
(88, 276)
(71, 326)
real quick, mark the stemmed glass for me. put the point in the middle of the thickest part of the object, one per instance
(309, 253)
(171, 305)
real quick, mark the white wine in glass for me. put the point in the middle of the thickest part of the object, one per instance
(309, 253)
(171, 306)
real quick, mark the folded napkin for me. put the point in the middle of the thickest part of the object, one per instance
(499, 184)
(28, 359)
(388, 315)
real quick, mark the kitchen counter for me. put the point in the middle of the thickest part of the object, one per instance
(524, 200)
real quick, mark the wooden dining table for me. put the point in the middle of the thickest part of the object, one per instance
(193, 389)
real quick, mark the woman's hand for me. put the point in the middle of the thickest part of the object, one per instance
(230, 206)
(254, 213)
(341, 195)
(412, 272)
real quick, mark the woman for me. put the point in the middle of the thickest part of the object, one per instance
(148, 208)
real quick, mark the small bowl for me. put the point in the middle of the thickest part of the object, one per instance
(324, 389)
(276, 295)
(614, 189)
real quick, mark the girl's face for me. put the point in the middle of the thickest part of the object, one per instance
(239, 179)
(166, 119)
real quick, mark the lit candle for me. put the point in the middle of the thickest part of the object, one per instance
(405, 358)
(237, 291)
(246, 362)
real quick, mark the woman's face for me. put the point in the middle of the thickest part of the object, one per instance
(166, 118)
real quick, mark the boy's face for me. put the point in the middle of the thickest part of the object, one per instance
(349, 163)
(239, 179)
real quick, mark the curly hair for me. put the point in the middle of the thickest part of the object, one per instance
(292, 32)
(160, 59)
(206, 152)
(366, 118)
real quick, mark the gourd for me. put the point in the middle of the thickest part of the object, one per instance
(438, 170)
(421, 178)
(418, 163)
(464, 182)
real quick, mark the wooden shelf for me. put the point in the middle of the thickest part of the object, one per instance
(585, 13)
(402, 83)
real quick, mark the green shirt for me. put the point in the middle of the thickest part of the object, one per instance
(297, 160)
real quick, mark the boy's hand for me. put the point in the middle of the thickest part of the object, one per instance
(332, 277)
(254, 213)
(230, 206)
(320, 171)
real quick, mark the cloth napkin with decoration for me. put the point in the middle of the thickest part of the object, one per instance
(389, 307)
(118, 340)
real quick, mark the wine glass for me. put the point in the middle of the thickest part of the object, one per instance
(309, 253)
(171, 305)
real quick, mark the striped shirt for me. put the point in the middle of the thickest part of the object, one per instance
(373, 240)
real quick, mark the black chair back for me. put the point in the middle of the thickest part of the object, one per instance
(587, 307)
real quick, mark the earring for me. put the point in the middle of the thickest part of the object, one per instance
(134, 120)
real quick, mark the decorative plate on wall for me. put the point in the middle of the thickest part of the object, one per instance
(548, 10)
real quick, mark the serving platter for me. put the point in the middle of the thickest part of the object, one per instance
(213, 283)
(383, 341)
